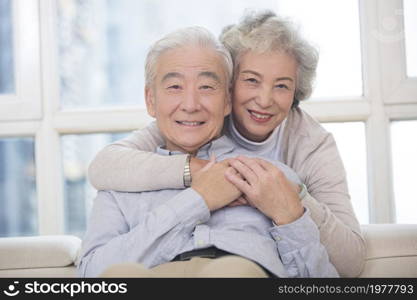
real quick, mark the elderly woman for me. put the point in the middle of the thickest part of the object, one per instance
(274, 70)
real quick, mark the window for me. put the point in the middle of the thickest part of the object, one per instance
(6, 53)
(20, 84)
(334, 27)
(102, 44)
(404, 150)
(410, 29)
(71, 75)
(17, 187)
(78, 151)
(354, 160)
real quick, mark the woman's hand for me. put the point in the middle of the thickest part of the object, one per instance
(265, 187)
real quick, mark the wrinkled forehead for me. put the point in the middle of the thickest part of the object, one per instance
(190, 62)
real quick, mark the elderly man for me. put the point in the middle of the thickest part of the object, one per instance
(194, 232)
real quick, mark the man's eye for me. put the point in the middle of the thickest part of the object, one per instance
(174, 87)
(207, 87)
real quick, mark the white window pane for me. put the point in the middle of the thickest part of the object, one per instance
(350, 140)
(334, 27)
(410, 29)
(18, 207)
(6, 51)
(102, 44)
(404, 158)
(77, 153)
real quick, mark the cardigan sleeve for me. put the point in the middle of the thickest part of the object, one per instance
(130, 164)
(329, 203)
(312, 153)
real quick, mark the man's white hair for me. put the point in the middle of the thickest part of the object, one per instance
(189, 36)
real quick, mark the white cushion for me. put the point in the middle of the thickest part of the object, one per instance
(57, 272)
(391, 250)
(38, 251)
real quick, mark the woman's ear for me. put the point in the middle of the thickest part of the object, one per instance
(295, 103)
(150, 101)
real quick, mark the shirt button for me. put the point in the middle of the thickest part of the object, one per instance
(200, 243)
(276, 236)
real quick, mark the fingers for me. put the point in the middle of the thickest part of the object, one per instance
(246, 171)
(237, 180)
(242, 200)
(238, 202)
(266, 165)
(272, 169)
(253, 163)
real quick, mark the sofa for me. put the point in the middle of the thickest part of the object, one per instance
(391, 252)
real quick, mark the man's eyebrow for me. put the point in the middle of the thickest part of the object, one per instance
(171, 75)
(211, 75)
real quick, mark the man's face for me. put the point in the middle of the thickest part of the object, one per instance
(189, 97)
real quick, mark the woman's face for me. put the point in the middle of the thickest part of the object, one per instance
(263, 92)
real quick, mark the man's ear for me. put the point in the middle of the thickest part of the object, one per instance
(150, 101)
(228, 105)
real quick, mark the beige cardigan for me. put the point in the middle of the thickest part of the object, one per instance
(130, 165)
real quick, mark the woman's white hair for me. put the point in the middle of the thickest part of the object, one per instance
(264, 31)
(189, 36)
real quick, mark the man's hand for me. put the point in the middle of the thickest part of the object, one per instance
(196, 164)
(212, 185)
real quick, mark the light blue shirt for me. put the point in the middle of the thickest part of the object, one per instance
(152, 228)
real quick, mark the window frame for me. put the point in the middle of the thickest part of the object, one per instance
(27, 65)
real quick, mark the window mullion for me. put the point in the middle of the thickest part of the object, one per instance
(48, 154)
(381, 198)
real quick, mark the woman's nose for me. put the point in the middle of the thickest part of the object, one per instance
(265, 98)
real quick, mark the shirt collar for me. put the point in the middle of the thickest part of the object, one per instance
(218, 147)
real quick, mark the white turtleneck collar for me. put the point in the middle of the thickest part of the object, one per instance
(270, 144)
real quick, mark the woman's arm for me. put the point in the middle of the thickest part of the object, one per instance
(130, 165)
(312, 153)
(329, 202)
(300, 249)
(267, 188)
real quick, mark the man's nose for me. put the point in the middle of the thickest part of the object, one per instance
(265, 98)
(191, 101)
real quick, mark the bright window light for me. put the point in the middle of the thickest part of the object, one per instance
(404, 150)
(350, 140)
(102, 44)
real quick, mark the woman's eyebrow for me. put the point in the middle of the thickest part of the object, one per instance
(284, 78)
(252, 72)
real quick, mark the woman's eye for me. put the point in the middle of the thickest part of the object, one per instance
(282, 86)
(251, 80)
(174, 87)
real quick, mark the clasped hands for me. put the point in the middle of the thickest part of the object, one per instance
(247, 181)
